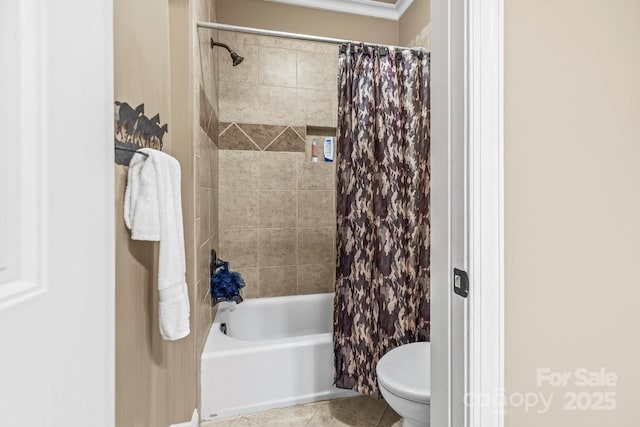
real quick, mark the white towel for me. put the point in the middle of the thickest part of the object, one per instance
(153, 211)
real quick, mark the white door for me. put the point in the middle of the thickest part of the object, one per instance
(467, 213)
(56, 214)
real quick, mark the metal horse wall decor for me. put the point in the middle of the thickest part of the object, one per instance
(133, 130)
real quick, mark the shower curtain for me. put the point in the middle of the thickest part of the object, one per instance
(383, 222)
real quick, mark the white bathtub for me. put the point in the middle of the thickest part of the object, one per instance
(277, 352)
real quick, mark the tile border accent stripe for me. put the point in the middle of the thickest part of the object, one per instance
(287, 138)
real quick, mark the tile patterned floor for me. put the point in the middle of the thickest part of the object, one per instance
(361, 411)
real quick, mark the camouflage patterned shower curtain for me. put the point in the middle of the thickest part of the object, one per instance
(383, 221)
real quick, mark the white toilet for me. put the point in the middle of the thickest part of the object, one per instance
(405, 383)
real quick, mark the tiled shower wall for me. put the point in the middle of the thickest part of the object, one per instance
(205, 127)
(423, 38)
(277, 221)
(280, 82)
(276, 207)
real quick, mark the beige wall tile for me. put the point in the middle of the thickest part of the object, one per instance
(300, 130)
(212, 91)
(213, 212)
(424, 38)
(278, 171)
(316, 278)
(237, 209)
(204, 231)
(296, 83)
(316, 107)
(278, 281)
(316, 209)
(228, 37)
(288, 141)
(204, 108)
(238, 102)
(215, 242)
(202, 271)
(250, 277)
(261, 135)
(212, 128)
(202, 8)
(277, 106)
(316, 176)
(238, 170)
(235, 139)
(199, 231)
(213, 165)
(204, 278)
(277, 247)
(246, 71)
(203, 164)
(300, 45)
(317, 71)
(201, 140)
(223, 126)
(239, 247)
(278, 67)
(238, 40)
(278, 209)
(316, 245)
(203, 288)
(203, 319)
(204, 68)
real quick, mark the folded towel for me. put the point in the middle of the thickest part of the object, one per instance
(141, 213)
(153, 211)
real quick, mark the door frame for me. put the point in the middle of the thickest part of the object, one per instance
(468, 76)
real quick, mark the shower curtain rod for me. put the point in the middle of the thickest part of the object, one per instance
(296, 36)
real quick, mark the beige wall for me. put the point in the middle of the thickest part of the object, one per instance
(415, 25)
(282, 17)
(155, 384)
(157, 61)
(572, 205)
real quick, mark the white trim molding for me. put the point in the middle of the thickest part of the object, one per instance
(467, 352)
(375, 9)
(485, 108)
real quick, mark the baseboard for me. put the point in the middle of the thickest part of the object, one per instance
(195, 421)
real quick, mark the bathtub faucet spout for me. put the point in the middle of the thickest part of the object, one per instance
(237, 299)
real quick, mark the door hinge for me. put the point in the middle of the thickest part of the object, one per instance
(461, 282)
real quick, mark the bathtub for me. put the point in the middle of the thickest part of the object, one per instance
(276, 352)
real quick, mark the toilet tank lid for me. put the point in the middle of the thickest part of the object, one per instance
(405, 371)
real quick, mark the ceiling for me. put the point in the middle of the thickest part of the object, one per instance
(385, 9)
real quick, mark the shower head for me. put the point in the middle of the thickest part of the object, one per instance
(235, 58)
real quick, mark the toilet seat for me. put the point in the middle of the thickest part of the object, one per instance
(405, 372)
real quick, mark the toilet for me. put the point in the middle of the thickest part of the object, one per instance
(405, 383)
